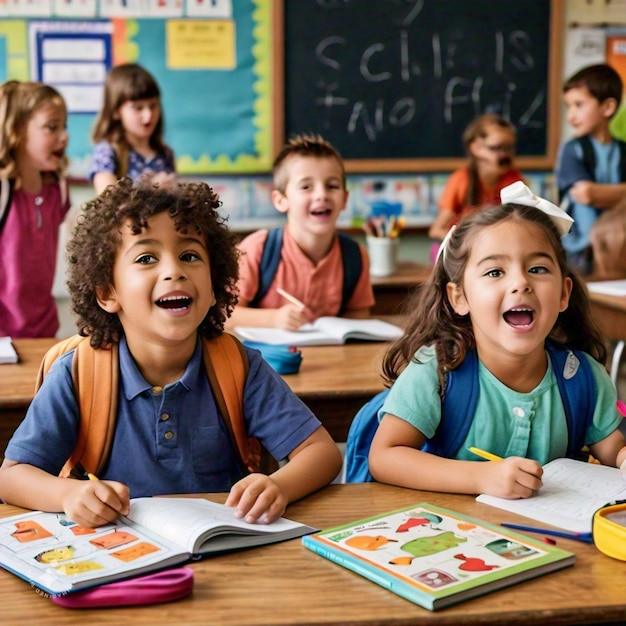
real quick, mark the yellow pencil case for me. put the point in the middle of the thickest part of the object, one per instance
(609, 530)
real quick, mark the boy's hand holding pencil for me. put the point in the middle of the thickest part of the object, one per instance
(293, 315)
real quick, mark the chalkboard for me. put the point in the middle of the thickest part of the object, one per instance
(393, 83)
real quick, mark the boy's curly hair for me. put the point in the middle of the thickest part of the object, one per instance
(96, 237)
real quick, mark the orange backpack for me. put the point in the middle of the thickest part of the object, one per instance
(95, 376)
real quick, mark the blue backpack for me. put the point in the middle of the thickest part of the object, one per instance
(589, 162)
(460, 397)
(270, 259)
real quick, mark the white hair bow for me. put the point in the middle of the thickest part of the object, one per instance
(519, 193)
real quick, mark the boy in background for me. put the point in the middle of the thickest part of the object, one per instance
(152, 271)
(322, 272)
(591, 167)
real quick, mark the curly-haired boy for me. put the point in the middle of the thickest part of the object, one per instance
(154, 270)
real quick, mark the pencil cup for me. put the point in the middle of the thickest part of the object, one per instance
(383, 253)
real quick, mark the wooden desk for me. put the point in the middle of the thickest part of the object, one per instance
(334, 381)
(609, 312)
(17, 384)
(391, 291)
(286, 584)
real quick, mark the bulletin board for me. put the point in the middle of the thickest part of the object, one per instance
(393, 84)
(216, 79)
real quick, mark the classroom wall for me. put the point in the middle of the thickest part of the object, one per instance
(246, 199)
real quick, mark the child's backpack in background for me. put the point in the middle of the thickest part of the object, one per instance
(270, 259)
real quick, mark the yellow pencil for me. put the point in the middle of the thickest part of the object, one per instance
(290, 298)
(485, 455)
(92, 476)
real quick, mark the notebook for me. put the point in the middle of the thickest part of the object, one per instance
(323, 332)
(435, 557)
(58, 556)
(7, 351)
(572, 492)
(608, 287)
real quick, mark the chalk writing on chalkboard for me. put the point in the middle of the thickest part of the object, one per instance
(401, 79)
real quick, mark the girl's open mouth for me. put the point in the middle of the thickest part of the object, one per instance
(519, 317)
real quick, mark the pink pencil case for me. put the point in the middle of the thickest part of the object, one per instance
(165, 586)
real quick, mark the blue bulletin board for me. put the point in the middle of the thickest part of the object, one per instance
(218, 111)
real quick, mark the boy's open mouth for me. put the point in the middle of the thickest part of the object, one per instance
(321, 212)
(519, 317)
(175, 302)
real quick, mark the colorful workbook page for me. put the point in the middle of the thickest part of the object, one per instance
(324, 331)
(608, 287)
(58, 556)
(571, 493)
(435, 557)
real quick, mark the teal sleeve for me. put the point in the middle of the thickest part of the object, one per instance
(414, 396)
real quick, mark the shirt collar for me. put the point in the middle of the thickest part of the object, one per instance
(133, 383)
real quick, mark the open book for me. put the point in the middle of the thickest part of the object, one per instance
(58, 556)
(608, 287)
(572, 492)
(325, 331)
(435, 557)
(7, 351)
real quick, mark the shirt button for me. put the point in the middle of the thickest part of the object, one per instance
(519, 412)
(165, 417)
(169, 435)
(157, 391)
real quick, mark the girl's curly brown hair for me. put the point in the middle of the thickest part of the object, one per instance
(96, 237)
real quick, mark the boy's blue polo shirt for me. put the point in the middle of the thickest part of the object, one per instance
(169, 440)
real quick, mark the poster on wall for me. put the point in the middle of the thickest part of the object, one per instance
(215, 73)
(583, 46)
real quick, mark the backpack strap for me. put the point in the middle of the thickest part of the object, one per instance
(622, 160)
(6, 196)
(226, 363)
(577, 387)
(589, 156)
(270, 259)
(458, 405)
(352, 267)
(97, 403)
(359, 440)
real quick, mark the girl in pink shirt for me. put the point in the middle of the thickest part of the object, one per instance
(33, 204)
